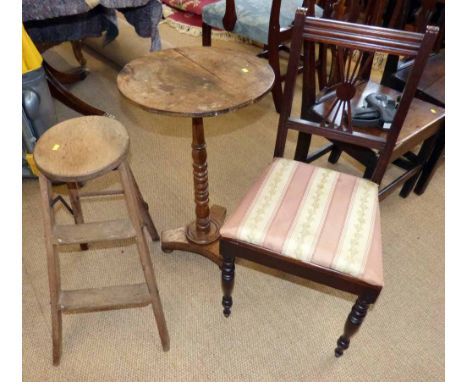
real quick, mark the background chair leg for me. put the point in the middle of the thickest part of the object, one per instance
(354, 321)
(227, 281)
(334, 155)
(431, 164)
(76, 207)
(302, 146)
(77, 46)
(274, 61)
(409, 185)
(422, 158)
(206, 35)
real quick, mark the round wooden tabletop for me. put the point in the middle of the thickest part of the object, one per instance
(81, 148)
(195, 81)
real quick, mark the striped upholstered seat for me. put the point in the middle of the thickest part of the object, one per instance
(314, 215)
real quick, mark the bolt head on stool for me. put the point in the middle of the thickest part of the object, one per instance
(81, 148)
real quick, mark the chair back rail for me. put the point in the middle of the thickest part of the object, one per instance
(334, 121)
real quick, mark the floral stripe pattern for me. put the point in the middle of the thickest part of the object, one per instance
(255, 224)
(314, 215)
(305, 230)
(357, 234)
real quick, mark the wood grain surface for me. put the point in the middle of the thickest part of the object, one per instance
(195, 81)
(81, 148)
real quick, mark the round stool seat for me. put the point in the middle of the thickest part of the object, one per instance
(81, 148)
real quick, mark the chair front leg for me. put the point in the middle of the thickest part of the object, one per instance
(227, 282)
(206, 34)
(354, 321)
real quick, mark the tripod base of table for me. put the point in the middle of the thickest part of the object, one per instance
(176, 239)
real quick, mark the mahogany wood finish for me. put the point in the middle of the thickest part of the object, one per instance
(96, 299)
(230, 249)
(431, 87)
(59, 92)
(202, 230)
(277, 37)
(336, 126)
(354, 321)
(196, 82)
(396, 70)
(415, 121)
(354, 11)
(66, 78)
(327, 68)
(77, 47)
(57, 79)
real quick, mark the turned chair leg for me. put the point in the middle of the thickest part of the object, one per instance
(76, 207)
(53, 268)
(227, 281)
(206, 35)
(354, 321)
(143, 251)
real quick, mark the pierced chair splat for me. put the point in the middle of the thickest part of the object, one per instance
(397, 131)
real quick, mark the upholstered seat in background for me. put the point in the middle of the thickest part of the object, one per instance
(253, 16)
(313, 215)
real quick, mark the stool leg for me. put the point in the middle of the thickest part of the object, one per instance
(76, 207)
(144, 209)
(53, 268)
(137, 221)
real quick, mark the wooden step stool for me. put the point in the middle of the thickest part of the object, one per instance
(75, 151)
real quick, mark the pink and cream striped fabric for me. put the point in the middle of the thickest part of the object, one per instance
(314, 215)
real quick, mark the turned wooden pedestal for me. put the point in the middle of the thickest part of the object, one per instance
(196, 82)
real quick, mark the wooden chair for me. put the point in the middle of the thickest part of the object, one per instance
(419, 126)
(395, 75)
(313, 222)
(353, 11)
(80, 150)
(266, 21)
(431, 87)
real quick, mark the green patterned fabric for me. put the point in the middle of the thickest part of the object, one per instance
(253, 16)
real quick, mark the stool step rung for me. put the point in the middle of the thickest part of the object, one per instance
(92, 232)
(106, 298)
(91, 194)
